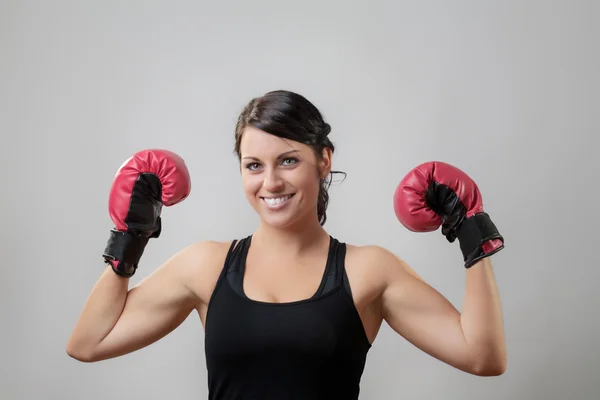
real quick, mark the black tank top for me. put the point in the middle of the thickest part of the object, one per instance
(308, 349)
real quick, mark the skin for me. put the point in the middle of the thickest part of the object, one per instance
(117, 320)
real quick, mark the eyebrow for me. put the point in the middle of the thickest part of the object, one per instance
(278, 157)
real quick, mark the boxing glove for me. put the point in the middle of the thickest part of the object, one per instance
(437, 194)
(144, 183)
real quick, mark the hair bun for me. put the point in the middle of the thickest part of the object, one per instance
(326, 129)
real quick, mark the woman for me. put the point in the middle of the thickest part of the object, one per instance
(289, 311)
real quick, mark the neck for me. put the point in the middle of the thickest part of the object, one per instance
(293, 240)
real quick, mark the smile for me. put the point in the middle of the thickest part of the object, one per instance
(277, 202)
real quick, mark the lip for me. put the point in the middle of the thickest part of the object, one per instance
(279, 206)
(278, 196)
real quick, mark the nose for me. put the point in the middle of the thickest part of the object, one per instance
(272, 181)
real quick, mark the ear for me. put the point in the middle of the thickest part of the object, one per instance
(325, 164)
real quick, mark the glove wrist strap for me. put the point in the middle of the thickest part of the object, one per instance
(473, 233)
(123, 251)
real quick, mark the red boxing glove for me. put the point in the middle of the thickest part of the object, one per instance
(142, 185)
(437, 194)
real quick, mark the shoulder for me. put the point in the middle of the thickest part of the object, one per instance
(201, 254)
(370, 255)
(378, 261)
(200, 264)
(207, 249)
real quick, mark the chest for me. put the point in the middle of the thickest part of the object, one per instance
(314, 347)
(283, 281)
(316, 330)
(246, 330)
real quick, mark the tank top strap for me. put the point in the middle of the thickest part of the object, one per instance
(341, 265)
(230, 254)
(337, 277)
(336, 274)
(234, 266)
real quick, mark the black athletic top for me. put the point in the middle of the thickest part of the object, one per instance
(309, 349)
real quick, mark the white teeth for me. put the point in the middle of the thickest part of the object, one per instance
(277, 200)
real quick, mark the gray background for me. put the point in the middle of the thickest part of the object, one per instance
(505, 90)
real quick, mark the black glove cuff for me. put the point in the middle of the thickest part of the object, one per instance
(472, 233)
(124, 251)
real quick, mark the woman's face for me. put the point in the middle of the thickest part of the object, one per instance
(281, 177)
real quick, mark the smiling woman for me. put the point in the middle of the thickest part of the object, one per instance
(289, 311)
(303, 139)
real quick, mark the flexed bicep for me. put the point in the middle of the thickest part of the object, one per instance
(423, 316)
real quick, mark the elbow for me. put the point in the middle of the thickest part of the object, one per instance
(489, 368)
(79, 354)
(492, 370)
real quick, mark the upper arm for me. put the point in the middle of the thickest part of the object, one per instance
(422, 315)
(159, 303)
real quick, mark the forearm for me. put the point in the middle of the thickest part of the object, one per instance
(481, 319)
(100, 314)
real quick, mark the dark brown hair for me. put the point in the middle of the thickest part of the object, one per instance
(289, 115)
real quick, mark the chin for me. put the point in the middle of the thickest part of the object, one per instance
(278, 221)
(277, 224)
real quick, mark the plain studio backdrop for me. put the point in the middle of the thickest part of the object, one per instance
(505, 90)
